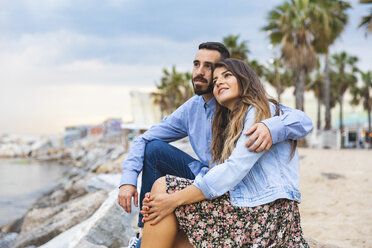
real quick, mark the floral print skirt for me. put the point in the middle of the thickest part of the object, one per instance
(216, 223)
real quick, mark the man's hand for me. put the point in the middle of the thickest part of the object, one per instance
(261, 137)
(126, 192)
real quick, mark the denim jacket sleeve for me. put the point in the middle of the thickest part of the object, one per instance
(223, 177)
(291, 124)
(171, 128)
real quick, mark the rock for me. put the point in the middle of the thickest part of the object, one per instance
(316, 244)
(92, 166)
(75, 172)
(112, 166)
(7, 239)
(94, 154)
(85, 244)
(110, 226)
(67, 191)
(117, 153)
(77, 187)
(103, 181)
(99, 156)
(79, 154)
(14, 226)
(109, 168)
(332, 176)
(94, 158)
(41, 225)
(38, 216)
(45, 200)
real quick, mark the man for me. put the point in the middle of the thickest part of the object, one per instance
(151, 153)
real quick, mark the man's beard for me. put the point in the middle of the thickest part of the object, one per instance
(199, 91)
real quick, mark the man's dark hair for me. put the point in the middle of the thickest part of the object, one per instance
(216, 46)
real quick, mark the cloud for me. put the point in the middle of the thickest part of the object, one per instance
(63, 46)
(81, 48)
(179, 21)
(66, 58)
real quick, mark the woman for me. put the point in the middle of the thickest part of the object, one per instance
(246, 199)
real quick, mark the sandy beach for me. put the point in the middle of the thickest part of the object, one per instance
(336, 208)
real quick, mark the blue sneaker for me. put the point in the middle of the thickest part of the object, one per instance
(134, 242)
(138, 245)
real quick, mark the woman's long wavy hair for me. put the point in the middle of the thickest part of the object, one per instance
(228, 125)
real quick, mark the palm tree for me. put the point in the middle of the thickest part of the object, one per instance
(317, 87)
(329, 20)
(257, 67)
(366, 20)
(363, 94)
(278, 77)
(174, 89)
(290, 25)
(240, 50)
(333, 89)
(188, 91)
(237, 50)
(344, 78)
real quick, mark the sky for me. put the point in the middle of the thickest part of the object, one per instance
(65, 62)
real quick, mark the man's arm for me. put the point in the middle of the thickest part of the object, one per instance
(171, 128)
(291, 124)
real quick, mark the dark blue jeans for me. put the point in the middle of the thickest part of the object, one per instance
(162, 159)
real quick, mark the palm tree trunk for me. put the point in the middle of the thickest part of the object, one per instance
(171, 103)
(277, 81)
(340, 99)
(163, 106)
(318, 123)
(326, 94)
(300, 90)
(369, 139)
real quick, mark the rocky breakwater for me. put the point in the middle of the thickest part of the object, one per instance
(82, 211)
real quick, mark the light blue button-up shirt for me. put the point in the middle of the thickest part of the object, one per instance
(194, 119)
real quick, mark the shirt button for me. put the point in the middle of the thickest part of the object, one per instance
(233, 189)
(209, 141)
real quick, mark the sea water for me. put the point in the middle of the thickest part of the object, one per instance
(21, 182)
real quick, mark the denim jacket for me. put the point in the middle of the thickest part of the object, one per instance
(253, 178)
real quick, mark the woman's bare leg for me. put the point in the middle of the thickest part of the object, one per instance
(182, 241)
(163, 234)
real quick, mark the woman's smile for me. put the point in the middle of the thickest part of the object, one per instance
(220, 91)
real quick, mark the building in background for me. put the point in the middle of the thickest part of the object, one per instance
(144, 111)
(145, 114)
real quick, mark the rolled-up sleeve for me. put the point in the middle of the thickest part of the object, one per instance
(291, 124)
(171, 128)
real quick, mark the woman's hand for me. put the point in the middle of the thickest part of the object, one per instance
(157, 206)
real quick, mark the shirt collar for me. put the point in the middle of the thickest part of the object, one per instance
(209, 104)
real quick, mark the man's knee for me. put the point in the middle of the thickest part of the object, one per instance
(159, 186)
(153, 147)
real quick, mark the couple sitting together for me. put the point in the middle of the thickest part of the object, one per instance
(243, 191)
